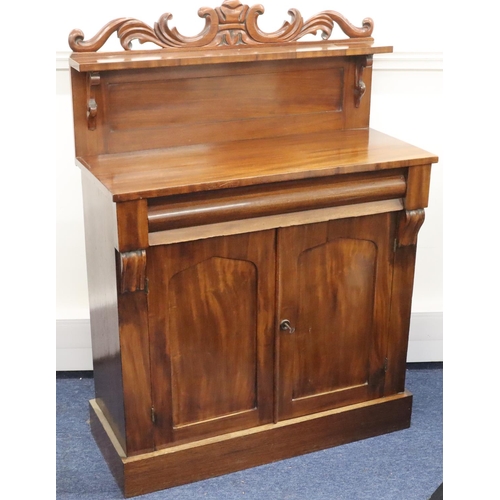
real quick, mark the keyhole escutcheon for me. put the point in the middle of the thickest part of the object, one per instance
(285, 326)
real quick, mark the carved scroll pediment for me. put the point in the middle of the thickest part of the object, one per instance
(228, 25)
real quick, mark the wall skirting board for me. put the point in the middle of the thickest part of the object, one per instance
(74, 349)
(73, 345)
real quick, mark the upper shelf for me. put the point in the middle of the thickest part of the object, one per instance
(108, 61)
(231, 34)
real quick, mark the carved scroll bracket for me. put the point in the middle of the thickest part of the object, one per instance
(410, 223)
(132, 271)
(93, 80)
(360, 86)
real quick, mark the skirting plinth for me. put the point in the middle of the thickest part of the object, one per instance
(235, 451)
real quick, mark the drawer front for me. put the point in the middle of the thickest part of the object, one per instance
(214, 207)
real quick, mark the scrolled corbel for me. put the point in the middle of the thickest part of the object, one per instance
(93, 80)
(410, 223)
(360, 86)
(132, 271)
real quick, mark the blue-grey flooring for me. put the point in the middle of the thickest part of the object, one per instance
(404, 465)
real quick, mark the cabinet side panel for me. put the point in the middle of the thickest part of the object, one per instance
(100, 231)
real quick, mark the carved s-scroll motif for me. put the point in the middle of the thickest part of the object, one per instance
(230, 24)
(410, 223)
(93, 79)
(132, 271)
(360, 87)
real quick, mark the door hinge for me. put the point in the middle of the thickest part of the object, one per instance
(146, 285)
(395, 245)
(153, 414)
(386, 364)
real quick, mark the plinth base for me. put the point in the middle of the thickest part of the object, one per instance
(235, 451)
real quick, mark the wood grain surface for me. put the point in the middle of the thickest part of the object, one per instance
(334, 285)
(211, 321)
(206, 167)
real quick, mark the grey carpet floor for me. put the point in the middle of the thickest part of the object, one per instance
(404, 465)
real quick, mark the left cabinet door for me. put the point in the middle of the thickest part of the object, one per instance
(211, 314)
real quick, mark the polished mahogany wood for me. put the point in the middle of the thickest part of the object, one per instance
(112, 61)
(419, 180)
(228, 228)
(251, 244)
(230, 24)
(279, 198)
(196, 105)
(118, 316)
(409, 223)
(100, 226)
(334, 282)
(249, 448)
(188, 169)
(132, 229)
(211, 319)
(132, 271)
(176, 107)
(136, 373)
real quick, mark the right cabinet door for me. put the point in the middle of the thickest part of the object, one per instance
(334, 288)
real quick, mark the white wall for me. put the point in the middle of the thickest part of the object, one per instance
(406, 103)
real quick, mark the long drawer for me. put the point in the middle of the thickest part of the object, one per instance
(213, 207)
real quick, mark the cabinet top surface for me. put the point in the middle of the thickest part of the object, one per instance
(204, 167)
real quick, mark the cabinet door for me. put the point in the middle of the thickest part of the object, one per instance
(334, 287)
(211, 322)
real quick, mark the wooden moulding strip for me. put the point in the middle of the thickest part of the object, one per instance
(107, 442)
(268, 443)
(273, 221)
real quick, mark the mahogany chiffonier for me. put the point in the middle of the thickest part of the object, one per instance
(250, 243)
